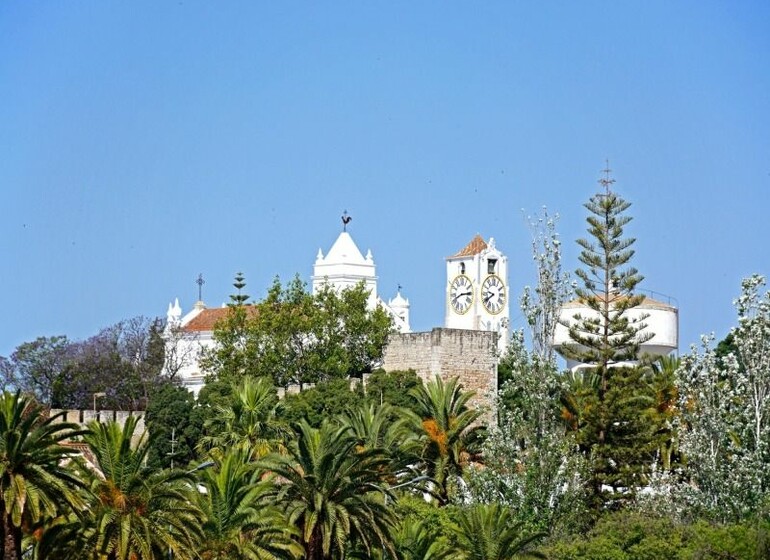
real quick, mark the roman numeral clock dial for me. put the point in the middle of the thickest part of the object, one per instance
(461, 294)
(493, 294)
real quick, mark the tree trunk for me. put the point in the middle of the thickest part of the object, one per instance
(11, 540)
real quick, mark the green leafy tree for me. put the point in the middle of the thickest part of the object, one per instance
(240, 523)
(325, 400)
(392, 387)
(38, 365)
(293, 336)
(448, 431)
(134, 512)
(173, 427)
(725, 407)
(333, 492)
(530, 464)
(613, 432)
(35, 485)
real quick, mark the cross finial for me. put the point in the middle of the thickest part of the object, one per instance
(399, 287)
(200, 281)
(345, 220)
(606, 181)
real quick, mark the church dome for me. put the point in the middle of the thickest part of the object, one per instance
(398, 302)
(344, 251)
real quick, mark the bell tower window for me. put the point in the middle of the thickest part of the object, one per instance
(462, 268)
(491, 266)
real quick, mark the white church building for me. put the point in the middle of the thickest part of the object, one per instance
(189, 334)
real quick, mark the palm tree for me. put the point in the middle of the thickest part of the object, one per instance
(248, 420)
(134, 513)
(35, 483)
(331, 492)
(383, 427)
(488, 532)
(662, 381)
(448, 431)
(414, 541)
(239, 522)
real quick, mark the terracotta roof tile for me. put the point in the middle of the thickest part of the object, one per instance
(476, 246)
(207, 319)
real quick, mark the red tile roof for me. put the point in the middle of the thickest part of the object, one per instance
(476, 246)
(207, 319)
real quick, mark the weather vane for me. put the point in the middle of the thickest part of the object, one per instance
(605, 181)
(345, 220)
(200, 281)
(399, 287)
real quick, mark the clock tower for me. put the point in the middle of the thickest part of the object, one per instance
(477, 290)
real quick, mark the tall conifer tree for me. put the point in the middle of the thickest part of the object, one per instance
(611, 428)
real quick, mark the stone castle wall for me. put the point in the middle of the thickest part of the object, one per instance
(469, 355)
(83, 417)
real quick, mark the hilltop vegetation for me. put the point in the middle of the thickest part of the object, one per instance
(662, 458)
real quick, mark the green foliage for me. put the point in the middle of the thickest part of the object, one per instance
(449, 435)
(608, 410)
(240, 521)
(326, 400)
(133, 512)
(530, 465)
(240, 298)
(631, 536)
(246, 421)
(293, 336)
(333, 492)
(438, 524)
(392, 387)
(489, 532)
(170, 413)
(35, 484)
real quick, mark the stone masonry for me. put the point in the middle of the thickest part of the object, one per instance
(467, 354)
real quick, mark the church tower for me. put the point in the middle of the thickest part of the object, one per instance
(477, 290)
(344, 267)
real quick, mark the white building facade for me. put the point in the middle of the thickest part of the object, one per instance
(188, 336)
(661, 320)
(477, 293)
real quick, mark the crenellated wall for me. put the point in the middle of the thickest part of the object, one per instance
(83, 417)
(469, 355)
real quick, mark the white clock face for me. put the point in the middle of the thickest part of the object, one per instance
(461, 294)
(493, 294)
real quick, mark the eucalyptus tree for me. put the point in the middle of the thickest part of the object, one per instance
(333, 492)
(725, 407)
(530, 465)
(35, 483)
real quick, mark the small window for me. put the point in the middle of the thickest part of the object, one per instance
(462, 268)
(491, 266)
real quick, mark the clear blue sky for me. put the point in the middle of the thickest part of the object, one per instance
(142, 143)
